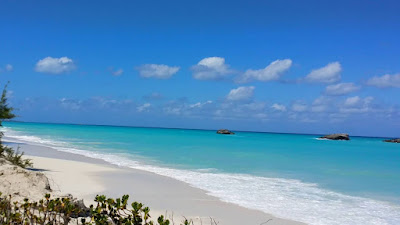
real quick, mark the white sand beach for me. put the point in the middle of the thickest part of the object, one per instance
(85, 177)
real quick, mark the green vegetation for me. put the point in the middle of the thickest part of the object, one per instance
(5, 110)
(65, 211)
(6, 113)
(14, 157)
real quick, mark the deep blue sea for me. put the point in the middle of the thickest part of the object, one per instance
(293, 176)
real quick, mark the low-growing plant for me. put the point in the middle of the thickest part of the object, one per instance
(14, 157)
(60, 211)
(45, 211)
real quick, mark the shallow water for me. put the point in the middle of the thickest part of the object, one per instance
(289, 175)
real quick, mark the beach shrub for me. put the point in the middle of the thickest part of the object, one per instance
(6, 113)
(14, 157)
(45, 211)
(59, 211)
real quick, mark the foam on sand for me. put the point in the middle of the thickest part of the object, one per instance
(285, 198)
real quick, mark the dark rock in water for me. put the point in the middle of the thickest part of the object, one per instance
(337, 137)
(396, 140)
(224, 131)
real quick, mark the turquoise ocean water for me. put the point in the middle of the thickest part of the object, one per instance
(293, 176)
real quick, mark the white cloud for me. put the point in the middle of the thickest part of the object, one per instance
(327, 74)
(357, 105)
(118, 72)
(352, 101)
(241, 93)
(153, 96)
(184, 108)
(211, 68)
(254, 106)
(299, 107)
(200, 104)
(261, 116)
(368, 100)
(385, 81)
(172, 110)
(10, 94)
(321, 100)
(341, 89)
(9, 67)
(55, 65)
(71, 104)
(279, 107)
(272, 72)
(322, 104)
(143, 107)
(318, 108)
(158, 71)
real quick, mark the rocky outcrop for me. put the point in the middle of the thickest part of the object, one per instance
(337, 137)
(224, 131)
(396, 140)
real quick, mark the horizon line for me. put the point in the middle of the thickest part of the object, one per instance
(182, 128)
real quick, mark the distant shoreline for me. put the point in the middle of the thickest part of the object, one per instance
(182, 128)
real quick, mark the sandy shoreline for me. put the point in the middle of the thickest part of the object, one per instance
(85, 177)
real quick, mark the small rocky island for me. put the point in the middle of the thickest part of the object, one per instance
(224, 131)
(396, 140)
(336, 137)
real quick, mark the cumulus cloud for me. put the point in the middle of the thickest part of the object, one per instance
(184, 108)
(385, 81)
(341, 89)
(117, 72)
(254, 106)
(96, 104)
(211, 68)
(7, 68)
(272, 72)
(322, 104)
(143, 107)
(153, 96)
(318, 108)
(200, 104)
(55, 65)
(357, 105)
(327, 74)
(299, 107)
(241, 93)
(351, 101)
(279, 107)
(158, 71)
(71, 104)
(243, 110)
(173, 110)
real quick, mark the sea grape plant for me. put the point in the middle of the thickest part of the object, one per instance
(63, 211)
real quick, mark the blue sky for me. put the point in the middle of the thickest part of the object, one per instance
(279, 66)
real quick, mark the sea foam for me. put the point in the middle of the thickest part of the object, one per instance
(285, 198)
